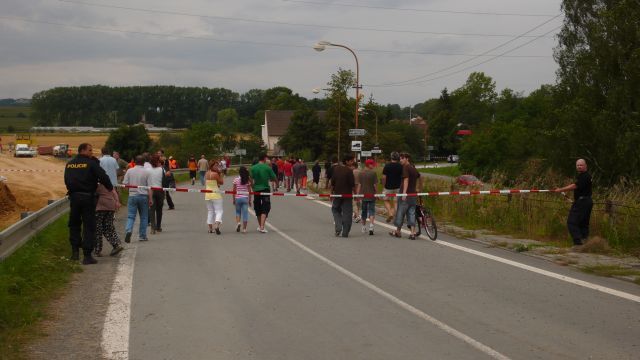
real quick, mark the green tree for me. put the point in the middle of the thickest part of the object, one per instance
(129, 141)
(599, 88)
(306, 132)
(200, 139)
(227, 117)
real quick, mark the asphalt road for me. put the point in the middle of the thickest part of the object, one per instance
(298, 292)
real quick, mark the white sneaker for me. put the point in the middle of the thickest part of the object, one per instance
(264, 231)
(364, 228)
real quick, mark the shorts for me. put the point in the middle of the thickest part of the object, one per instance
(262, 204)
(390, 191)
(192, 174)
(368, 208)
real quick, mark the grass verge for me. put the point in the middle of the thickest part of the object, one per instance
(612, 270)
(453, 171)
(29, 279)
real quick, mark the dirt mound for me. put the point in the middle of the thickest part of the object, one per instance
(8, 203)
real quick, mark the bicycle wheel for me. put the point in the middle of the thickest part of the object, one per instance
(429, 224)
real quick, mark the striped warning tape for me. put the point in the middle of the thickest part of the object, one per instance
(368, 196)
(30, 170)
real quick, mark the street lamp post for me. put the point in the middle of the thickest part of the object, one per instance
(322, 45)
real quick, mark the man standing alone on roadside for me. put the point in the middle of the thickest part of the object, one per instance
(343, 183)
(81, 176)
(580, 213)
(261, 173)
(203, 166)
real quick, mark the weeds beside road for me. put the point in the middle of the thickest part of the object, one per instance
(29, 279)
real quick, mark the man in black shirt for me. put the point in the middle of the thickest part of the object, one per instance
(578, 220)
(343, 183)
(391, 179)
(81, 176)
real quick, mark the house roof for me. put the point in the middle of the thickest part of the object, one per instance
(277, 121)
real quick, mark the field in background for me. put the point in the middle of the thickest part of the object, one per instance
(16, 116)
(50, 139)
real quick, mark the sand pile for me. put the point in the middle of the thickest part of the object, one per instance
(8, 203)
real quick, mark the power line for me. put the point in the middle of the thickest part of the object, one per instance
(273, 22)
(207, 38)
(466, 68)
(475, 57)
(491, 13)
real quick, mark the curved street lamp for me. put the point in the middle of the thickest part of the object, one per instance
(321, 46)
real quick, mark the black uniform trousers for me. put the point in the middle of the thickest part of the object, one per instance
(578, 220)
(82, 221)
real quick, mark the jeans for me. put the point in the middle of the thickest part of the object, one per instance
(139, 204)
(82, 221)
(202, 173)
(368, 208)
(342, 210)
(406, 207)
(242, 208)
(155, 212)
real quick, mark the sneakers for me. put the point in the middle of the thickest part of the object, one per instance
(217, 230)
(127, 237)
(389, 218)
(89, 260)
(370, 232)
(193, 181)
(143, 239)
(238, 227)
(357, 219)
(364, 229)
(116, 250)
(75, 255)
(338, 233)
(264, 231)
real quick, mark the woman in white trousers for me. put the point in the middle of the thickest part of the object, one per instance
(213, 199)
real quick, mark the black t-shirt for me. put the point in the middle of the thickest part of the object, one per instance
(583, 185)
(393, 172)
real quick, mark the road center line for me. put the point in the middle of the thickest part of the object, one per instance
(533, 269)
(115, 332)
(442, 326)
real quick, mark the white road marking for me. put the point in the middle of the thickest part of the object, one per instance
(533, 269)
(115, 332)
(442, 326)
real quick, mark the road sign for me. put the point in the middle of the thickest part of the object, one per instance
(241, 151)
(356, 145)
(357, 132)
(376, 151)
(430, 147)
(366, 153)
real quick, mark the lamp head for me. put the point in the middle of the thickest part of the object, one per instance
(317, 47)
(316, 90)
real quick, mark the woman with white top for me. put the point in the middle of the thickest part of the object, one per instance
(214, 198)
(155, 180)
(242, 198)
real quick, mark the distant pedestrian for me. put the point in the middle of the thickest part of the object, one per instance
(280, 173)
(106, 207)
(81, 177)
(391, 179)
(274, 167)
(168, 181)
(316, 170)
(262, 174)
(213, 199)
(242, 198)
(407, 204)
(343, 183)
(580, 212)
(139, 199)
(357, 202)
(110, 166)
(223, 166)
(367, 185)
(303, 171)
(156, 176)
(193, 169)
(122, 165)
(203, 166)
(288, 174)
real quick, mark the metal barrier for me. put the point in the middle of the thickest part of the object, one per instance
(13, 237)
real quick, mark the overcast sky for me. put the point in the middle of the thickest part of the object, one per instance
(206, 44)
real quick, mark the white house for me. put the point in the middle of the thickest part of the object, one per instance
(275, 126)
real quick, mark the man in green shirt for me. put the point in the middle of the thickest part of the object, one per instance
(261, 173)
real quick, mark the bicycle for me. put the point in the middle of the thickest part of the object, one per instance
(425, 219)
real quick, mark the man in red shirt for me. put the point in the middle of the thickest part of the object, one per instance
(288, 174)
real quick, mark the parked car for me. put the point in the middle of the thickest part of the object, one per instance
(468, 180)
(23, 150)
(453, 158)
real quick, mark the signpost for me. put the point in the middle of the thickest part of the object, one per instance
(356, 145)
(366, 153)
(357, 132)
(240, 152)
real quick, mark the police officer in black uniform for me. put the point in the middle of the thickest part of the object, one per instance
(81, 176)
(578, 220)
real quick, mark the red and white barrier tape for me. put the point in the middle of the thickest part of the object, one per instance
(369, 196)
(30, 170)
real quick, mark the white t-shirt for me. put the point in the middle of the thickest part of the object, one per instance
(223, 164)
(155, 176)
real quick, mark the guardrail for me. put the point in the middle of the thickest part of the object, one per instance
(13, 237)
